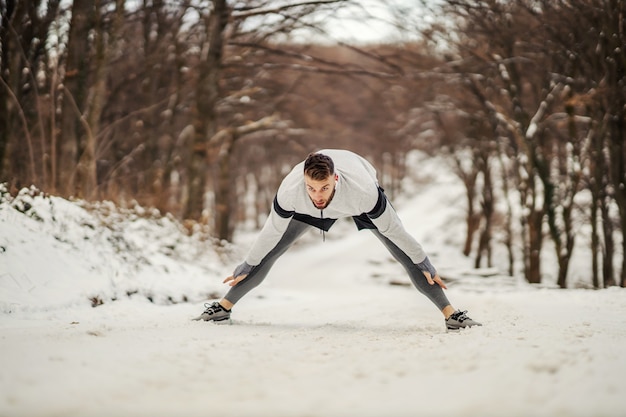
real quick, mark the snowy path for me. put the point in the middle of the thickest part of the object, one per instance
(324, 336)
(324, 344)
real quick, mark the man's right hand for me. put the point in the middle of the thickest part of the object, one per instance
(232, 281)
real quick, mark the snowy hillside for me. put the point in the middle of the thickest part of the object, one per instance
(326, 334)
(57, 254)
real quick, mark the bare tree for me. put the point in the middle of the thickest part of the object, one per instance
(243, 56)
(585, 46)
(24, 30)
(542, 79)
(494, 67)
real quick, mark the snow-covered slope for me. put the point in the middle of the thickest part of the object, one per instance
(55, 253)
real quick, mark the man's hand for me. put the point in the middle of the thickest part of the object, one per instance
(430, 273)
(240, 273)
(232, 281)
(436, 279)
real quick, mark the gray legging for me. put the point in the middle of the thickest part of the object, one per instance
(295, 229)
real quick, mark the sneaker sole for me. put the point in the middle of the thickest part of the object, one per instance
(456, 329)
(225, 319)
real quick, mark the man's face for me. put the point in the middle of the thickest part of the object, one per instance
(320, 192)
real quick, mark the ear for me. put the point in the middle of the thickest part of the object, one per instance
(336, 177)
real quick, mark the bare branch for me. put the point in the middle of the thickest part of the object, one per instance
(238, 131)
(246, 12)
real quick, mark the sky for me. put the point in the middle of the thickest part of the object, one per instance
(364, 21)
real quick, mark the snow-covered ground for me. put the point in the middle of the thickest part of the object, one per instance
(325, 335)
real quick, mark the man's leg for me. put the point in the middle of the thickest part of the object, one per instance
(295, 229)
(433, 292)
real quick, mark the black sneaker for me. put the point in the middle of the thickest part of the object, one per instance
(214, 312)
(460, 320)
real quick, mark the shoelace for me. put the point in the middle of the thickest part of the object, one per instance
(459, 316)
(212, 308)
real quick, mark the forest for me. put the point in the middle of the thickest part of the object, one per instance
(191, 106)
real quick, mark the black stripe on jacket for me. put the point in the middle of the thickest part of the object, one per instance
(319, 222)
(362, 221)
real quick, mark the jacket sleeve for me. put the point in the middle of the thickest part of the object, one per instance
(386, 220)
(270, 234)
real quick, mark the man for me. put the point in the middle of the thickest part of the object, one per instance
(328, 185)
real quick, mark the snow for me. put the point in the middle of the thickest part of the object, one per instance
(325, 335)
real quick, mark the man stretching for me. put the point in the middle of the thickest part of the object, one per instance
(329, 185)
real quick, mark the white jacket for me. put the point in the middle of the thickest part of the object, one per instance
(357, 195)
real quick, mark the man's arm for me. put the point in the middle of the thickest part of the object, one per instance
(270, 234)
(389, 224)
(268, 238)
(386, 220)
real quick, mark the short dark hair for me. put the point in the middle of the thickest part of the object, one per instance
(319, 166)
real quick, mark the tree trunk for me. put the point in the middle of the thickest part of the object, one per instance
(23, 35)
(618, 166)
(205, 111)
(10, 71)
(595, 241)
(508, 229)
(608, 274)
(223, 195)
(74, 143)
(535, 243)
(472, 218)
(596, 187)
(86, 173)
(484, 243)
(618, 171)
